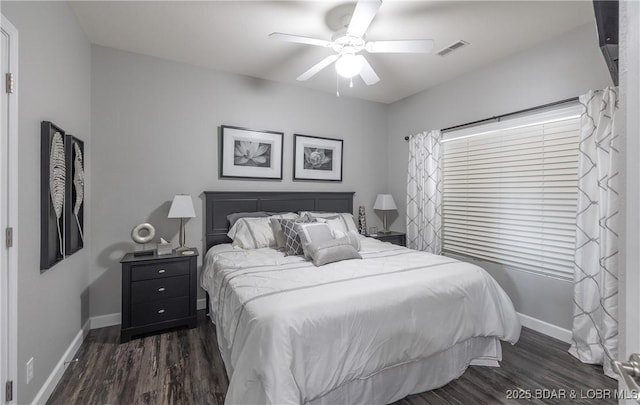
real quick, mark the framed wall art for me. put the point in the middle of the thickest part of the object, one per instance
(74, 195)
(52, 194)
(250, 153)
(316, 158)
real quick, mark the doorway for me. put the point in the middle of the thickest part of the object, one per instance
(8, 212)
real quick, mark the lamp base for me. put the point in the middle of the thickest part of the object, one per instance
(385, 227)
(182, 249)
(185, 251)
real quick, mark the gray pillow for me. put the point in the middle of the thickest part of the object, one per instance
(312, 232)
(234, 217)
(293, 245)
(330, 251)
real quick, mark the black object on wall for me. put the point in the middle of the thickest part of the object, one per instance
(61, 194)
(74, 195)
(606, 12)
(52, 165)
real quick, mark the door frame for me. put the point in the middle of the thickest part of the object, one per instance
(629, 284)
(631, 100)
(9, 278)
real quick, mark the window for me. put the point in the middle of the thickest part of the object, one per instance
(510, 192)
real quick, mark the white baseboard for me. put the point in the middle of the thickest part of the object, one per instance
(201, 304)
(54, 378)
(102, 321)
(545, 328)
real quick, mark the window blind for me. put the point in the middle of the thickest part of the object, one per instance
(510, 194)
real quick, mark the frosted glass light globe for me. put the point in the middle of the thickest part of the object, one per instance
(349, 65)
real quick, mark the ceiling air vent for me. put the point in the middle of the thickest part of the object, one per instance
(453, 47)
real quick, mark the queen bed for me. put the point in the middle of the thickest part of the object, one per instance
(359, 331)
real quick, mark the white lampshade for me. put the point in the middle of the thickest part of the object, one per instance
(349, 65)
(182, 207)
(384, 202)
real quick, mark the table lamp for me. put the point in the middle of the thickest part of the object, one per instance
(384, 203)
(181, 207)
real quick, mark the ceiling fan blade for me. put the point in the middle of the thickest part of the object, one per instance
(299, 39)
(367, 73)
(406, 46)
(362, 16)
(315, 69)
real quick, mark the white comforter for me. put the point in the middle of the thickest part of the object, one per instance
(290, 332)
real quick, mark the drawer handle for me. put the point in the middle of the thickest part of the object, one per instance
(161, 311)
(161, 289)
(161, 271)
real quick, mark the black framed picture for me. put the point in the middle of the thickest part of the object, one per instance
(52, 194)
(250, 153)
(316, 158)
(75, 195)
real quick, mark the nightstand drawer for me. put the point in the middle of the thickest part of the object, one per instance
(159, 289)
(159, 311)
(159, 270)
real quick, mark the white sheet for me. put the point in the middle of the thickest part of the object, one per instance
(291, 333)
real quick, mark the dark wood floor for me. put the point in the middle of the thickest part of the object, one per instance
(183, 366)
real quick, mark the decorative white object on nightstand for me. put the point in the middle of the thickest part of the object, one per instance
(143, 234)
(164, 247)
(182, 207)
(384, 203)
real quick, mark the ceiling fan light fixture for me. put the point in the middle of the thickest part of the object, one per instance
(348, 42)
(349, 65)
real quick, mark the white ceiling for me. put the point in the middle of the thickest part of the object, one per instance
(232, 36)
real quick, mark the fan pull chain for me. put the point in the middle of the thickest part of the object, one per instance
(337, 86)
(351, 83)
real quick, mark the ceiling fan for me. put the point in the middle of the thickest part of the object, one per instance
(349, 42)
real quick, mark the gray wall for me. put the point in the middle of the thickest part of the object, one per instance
(53, 84)
(155, 126)
(562, 68)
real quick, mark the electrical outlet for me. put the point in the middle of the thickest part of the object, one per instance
(29, 370)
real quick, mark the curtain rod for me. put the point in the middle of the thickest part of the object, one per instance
(499, 117)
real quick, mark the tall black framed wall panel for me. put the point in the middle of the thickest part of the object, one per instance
(52, 190)
(74, 195)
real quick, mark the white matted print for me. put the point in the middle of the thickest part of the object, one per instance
(250, 153)
(317, 158)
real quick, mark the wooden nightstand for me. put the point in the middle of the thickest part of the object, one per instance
(397, 238)
(158, 292)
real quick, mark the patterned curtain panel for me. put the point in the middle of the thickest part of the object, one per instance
(595, 321)
(424, 192)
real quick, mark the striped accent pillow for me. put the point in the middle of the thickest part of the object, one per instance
(255, 233)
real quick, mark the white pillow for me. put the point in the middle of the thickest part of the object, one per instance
(255, 233)
(346, 217)
(337, 226)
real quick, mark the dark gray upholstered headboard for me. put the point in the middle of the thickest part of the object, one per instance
(219, 204)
